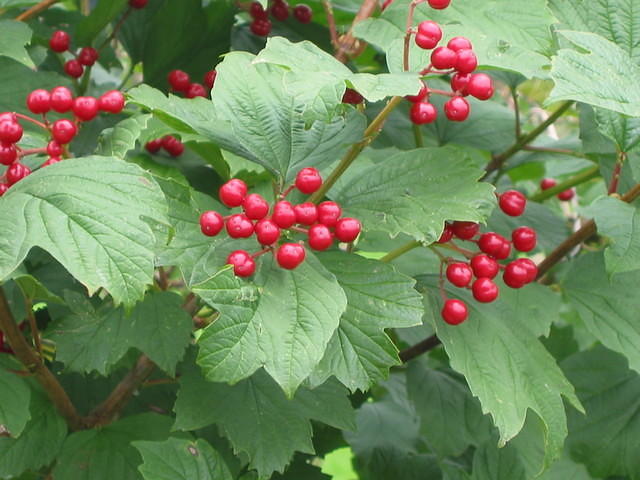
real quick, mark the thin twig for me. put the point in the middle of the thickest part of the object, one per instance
(33, 326)
(348, 45)
(331, 21)
(35, 10)
(407, 247)
(419, 348)
(567, 184)
(617, 170)
(516, 108)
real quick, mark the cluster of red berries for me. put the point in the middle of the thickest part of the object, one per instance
(61, 131)
(169, 143)
(321, 223)
(565, 196)
(60, 42)
(280, 9)
(483, 265)
(138, 4)
(180, 81)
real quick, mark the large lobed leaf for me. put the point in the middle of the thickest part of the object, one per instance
(14, 36)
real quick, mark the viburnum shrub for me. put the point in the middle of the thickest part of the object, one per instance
(339, 240)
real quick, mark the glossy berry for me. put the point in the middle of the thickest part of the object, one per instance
(459, 83)
(306, 213)
(347, 229)
(466, 62)
(567, 195)
(284, 215)
(54, 149)
(505, 251)
(61, 99)
(233, 192)
(308, 180)
(320, 237)
(524, 239)
(530, 267)
(429, 35)
(63, 131)
(422, 113)
(196, 90)
(3, 189)
(329, 213)
(454, 312)
(85, 108)
(255, 207)
(290, 255)
(457, 109)
(172, 145)
(513, 203)
(179, 80)
(447, 234)
(51, 161)
(16, 172)
(260, 27)
(239, 226)
(111, 102)
(257, 12)
(8, 153)
(138, 3)
(59, 41)
(303, 13)
(419, 96)
(547, 183)
(8, 117)
(480, 86)
(444, 58)
(484, 266)
(491, 243)
(39, 101)
(484, 290)
(439, 4)
(459, 43)
(10, 132)
(516, 275)
(210, 78)
(352, 97)
(280, 10)
(459, 274)
(211, 223)
(88, 56)
(243, 264)
(267, 232)
(154, 146)
(74, 68)
(465, 230)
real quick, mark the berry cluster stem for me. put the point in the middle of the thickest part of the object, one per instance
(579, 179)
(35, 10)
(617, 170)
(27, 118)
(331, 21)
(393, 254)
(407, 34)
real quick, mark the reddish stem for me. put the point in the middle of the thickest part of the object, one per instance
(617, 170)
(32, 151)
(299, 230)
(29, 119)
(284, 194)
(407, 35)
(262, 252)
(442, 92)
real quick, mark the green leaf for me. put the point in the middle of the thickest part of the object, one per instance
(603, 76)
(181, 459)
(622, 130)
(97, 205)
(259, 328)
(107, 453)
(258, 419)
(33, 289)
(491, 463)
(415, 192)
(360, 353)
(89, 340)
(14, 36)
(119, 140)
(14, 402)
(105, 12)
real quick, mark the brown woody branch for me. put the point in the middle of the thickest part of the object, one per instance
(348, 45)
(35, 10)
(419, 348)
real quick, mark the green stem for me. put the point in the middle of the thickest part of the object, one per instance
(393, 254)
(569, 183)
(84, 85)
(417, 134)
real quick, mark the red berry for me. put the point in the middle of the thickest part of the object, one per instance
(352, 97)
(429, 35)
(444, 58)
(172, 145)
(154, 146)
(459, 83)
(320, 237)
(239, 226)
(465, 230)
(308, 180)
(306, 213)
(329, 213)
(457, 109)
(491, 243)
(88, 56)
(267, 232)
(3, 189)
(530, 267)
(454, 312)
(505, 251)
(8, 153)
(260, 27)
(111, 102)
(138, 3)
(59, 41)
(439, 4)
(484, 266)
(179, 80)
(290, 255)
(63, 131)
(303, 13)
(255, 207)
(8, 117)
(10, 132)
(280, 10)
(547, 183)
(467, 61)
(484, 290)
(39, 101)
(210, 78)
(524, 239)
(513, 203)
(347, 229)
(567, 195)
(243, 264)
(459, 43)
(196, 90)
(257, 11)
(61, 99)
(85, 108)
(419, 96)
(516, 275)
(233, 192)
(211, 223)
(16, 172)
(422, 113)
(447, 234)
(459, 274)
(54, 149)
(74, 68)
(480, 86)
(283, 215)
(51, 161)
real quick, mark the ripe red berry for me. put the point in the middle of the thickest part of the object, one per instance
(457, 109)
(524, 239)
(211, 223)
(233, 192)
(255, 207)
(329, 213)
(85, 108)
(283, 215)
(467, 61)
(290, 255)
(513, 203)
(352, 97)
(243, 264)
(484, 290)
(179, 80)
(267, 232)
(16, 172)
(51, 161)
(74, 68)
(439, 4)
(138, 3)
(210, 78)
(347, 229)
(88, 56)
(447, 234)
(547, 183)
(454, 312)
(303, 13)
(63, 131)
(111, 101)
(54, 149)
(459, 83)
(308, 180)
(465, 230)
(59, 41)
(491, 243)
(567, 195)
(459, 43)
(480, 86)
(61, 99)
(484, 266)
(280, 10)
(306, 213)
(154, 146)
(239, 226)
(8, 153)
(516, 275)
(172, 145)
(39, 101)
(530, 267)
(260, 27)
(419, 96)
(459, 274)
(10, 132)
(422, 113)
(257, 12)
(8, 117)
(429, 35)
(320, 237)
(505, 251)
(196, 90)
(3, 189)
(444, 58)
